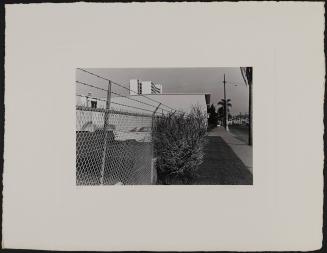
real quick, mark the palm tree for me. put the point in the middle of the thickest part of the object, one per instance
(247, 77)
(222, 109)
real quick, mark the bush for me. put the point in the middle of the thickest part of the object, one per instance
(178, 144)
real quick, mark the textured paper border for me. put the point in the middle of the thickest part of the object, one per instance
(43, 209)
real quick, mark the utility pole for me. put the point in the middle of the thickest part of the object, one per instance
(226, 110)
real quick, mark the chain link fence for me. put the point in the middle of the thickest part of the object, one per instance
(113, 147)
(114, 132)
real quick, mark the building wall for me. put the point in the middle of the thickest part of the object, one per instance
(146, 87)
(159, 88)
(133, 84)
(90, 120)
(182, 102)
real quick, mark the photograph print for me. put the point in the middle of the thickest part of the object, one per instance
(164, 126)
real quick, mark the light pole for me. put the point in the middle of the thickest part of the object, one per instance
(226, 103)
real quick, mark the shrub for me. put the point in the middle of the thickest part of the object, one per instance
(178, 144)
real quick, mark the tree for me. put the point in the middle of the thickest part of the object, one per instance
(221, 110)
(213, 117)
(247, 77)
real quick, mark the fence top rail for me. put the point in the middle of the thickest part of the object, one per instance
(85, 108)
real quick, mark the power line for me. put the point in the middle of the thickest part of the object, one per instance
(86, 84)
(135, 100)
(131, 106)
(123, 87)
(78, 95)
(115, 103)
(118, 94)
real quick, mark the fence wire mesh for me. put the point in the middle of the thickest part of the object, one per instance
(113, 147)
(114, 132)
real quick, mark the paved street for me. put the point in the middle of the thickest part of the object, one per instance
(240, 132)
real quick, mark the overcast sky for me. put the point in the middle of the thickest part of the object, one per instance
(173, 80)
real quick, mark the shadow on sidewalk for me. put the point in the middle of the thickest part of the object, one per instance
(221, 166)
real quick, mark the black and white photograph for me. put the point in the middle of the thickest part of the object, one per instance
(164, 126)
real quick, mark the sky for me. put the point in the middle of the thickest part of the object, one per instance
(173, 80)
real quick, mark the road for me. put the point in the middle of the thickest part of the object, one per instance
(240, 132)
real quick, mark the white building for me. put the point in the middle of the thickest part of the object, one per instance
(89, 101)
(138, 87)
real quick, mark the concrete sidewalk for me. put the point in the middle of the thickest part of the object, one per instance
(241, 149)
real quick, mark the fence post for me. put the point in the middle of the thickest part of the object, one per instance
(106, 116)
(152, 126)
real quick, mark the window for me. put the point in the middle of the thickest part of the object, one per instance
(139, 88)
(93, 104)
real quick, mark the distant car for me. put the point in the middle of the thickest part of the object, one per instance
(142, 134)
